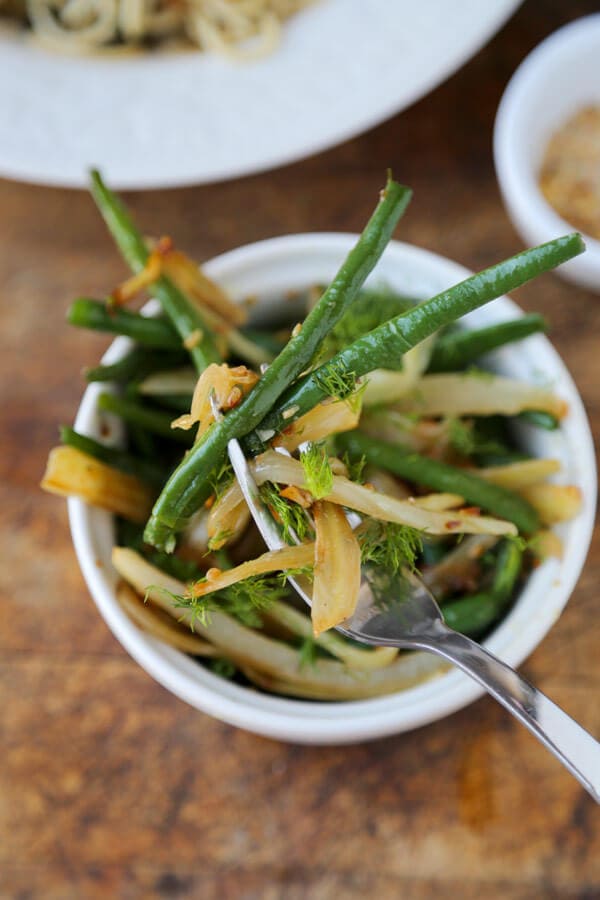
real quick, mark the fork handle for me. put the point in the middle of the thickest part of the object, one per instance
(570, 743)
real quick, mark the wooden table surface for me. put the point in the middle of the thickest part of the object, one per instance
(111, 787)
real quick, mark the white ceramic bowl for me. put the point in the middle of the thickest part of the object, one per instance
(557, 79)
(268, 270)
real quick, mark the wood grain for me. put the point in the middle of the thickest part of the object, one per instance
(109, 786)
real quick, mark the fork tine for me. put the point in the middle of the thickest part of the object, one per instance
(261, 515)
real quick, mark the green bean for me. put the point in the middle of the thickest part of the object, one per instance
(146, 330)
(540, 419)
(474, 614)
(181, 403)
(189, 486)
(137, 363)
(510, 559)
(113, 456)
(492, 442)
(184, 316)
(458, 349)
(394, 338)
(130, 535)
(143, 442)
(506, 458)
(154, 420)
(439, 476)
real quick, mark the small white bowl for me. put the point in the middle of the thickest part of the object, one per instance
(268, 270)
(558, 78)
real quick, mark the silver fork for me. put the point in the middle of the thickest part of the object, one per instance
(401, 612)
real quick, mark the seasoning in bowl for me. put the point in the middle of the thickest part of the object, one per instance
(570, 173)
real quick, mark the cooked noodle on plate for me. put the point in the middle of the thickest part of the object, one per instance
(243, 29)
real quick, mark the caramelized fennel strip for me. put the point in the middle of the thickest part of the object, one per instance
(325, 419)
(553, 503)
(519, 474)
(72, 473)
(478, 394)
(228, 517)
(228, 385)
(336, 580)
(296, 557)
(273, 466)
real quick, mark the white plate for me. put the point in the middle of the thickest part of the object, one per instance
(268, 270)
(157, 120)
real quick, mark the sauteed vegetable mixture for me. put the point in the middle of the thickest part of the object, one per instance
(373, 403)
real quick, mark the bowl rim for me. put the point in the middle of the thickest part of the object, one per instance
(305, 721)
(532, 215)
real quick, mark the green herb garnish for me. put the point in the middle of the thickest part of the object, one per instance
(317, 470)
(369, 310)
(245, 601)
(221, 478)
(390, 546)
(308, 652)
(463, 438)
(337, 382)
(290, 516)
(223, 667)
(355, 467)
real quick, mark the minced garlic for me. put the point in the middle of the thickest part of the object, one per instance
(570, 173)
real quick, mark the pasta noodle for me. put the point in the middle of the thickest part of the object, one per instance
(242, 29)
